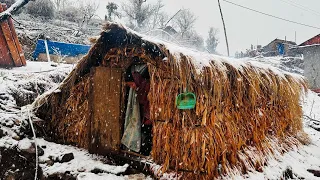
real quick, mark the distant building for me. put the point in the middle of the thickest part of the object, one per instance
(167, 33)
(312, 41)
(277, 47)
(311, 53)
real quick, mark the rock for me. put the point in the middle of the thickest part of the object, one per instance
(65, 158)
(40, 151)
(288, 174)
(82, 169)
(17, 138)
(17, 122)
(30, 148)
(97, 171)
(314, 172)
(1, 133)
(49, 162)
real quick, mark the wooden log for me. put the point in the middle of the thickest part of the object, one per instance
(15, 38)
(10, 42)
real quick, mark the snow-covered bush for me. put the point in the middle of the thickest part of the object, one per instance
(71, 14)
(41, 8)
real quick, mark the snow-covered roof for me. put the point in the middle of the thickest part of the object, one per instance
(203, 59)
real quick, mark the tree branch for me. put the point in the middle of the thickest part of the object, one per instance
(14, 8)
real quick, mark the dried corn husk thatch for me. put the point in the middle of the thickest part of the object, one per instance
(240, 106)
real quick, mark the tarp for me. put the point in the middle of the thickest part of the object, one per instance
(64, 49)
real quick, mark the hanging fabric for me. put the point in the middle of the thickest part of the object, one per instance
(132, 127)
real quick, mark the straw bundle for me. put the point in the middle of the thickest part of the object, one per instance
(70, 121)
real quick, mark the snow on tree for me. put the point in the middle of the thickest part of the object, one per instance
(212, 40)
(138, 12)
(88, 9)
(112, 9)
(41, 8)
(158, 18)
(185, 21)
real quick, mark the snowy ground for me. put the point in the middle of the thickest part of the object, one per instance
(303, 159)
(37, 77)
(33, 80)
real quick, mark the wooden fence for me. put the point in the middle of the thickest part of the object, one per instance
(11, 54)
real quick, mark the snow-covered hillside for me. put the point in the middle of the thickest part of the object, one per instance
(30, 29)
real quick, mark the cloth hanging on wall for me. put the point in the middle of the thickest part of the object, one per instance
(132, 127)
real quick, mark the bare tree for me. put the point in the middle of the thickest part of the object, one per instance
(88, 9)
(112, 11)
(137, 11)
(212, 40)
(158, 17)
(185, 21)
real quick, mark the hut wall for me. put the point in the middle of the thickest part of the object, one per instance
(235, 110)
(74, 116)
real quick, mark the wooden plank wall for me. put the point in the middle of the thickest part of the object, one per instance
(105, 107)
(11, 53)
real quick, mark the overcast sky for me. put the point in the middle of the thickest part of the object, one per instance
(245, 27)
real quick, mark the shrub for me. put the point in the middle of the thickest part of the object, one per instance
(41, 8)
(71, 14)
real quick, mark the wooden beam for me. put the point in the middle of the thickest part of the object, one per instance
(15, 38)
(5, 58)
(10, 42)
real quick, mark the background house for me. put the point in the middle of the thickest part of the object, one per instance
(277, 47)
(311, 41)
(311, 53)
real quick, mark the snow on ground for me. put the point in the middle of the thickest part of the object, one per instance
(302, 159)
(20, 86)
(83, 161)
(35, 79)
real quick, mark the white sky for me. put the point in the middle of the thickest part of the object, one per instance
(245, 27)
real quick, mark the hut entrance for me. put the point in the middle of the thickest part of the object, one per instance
(137, 133)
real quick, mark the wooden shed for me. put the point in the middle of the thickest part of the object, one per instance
(11, 54)
(240, 106)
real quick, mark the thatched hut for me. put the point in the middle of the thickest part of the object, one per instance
(239, 105)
